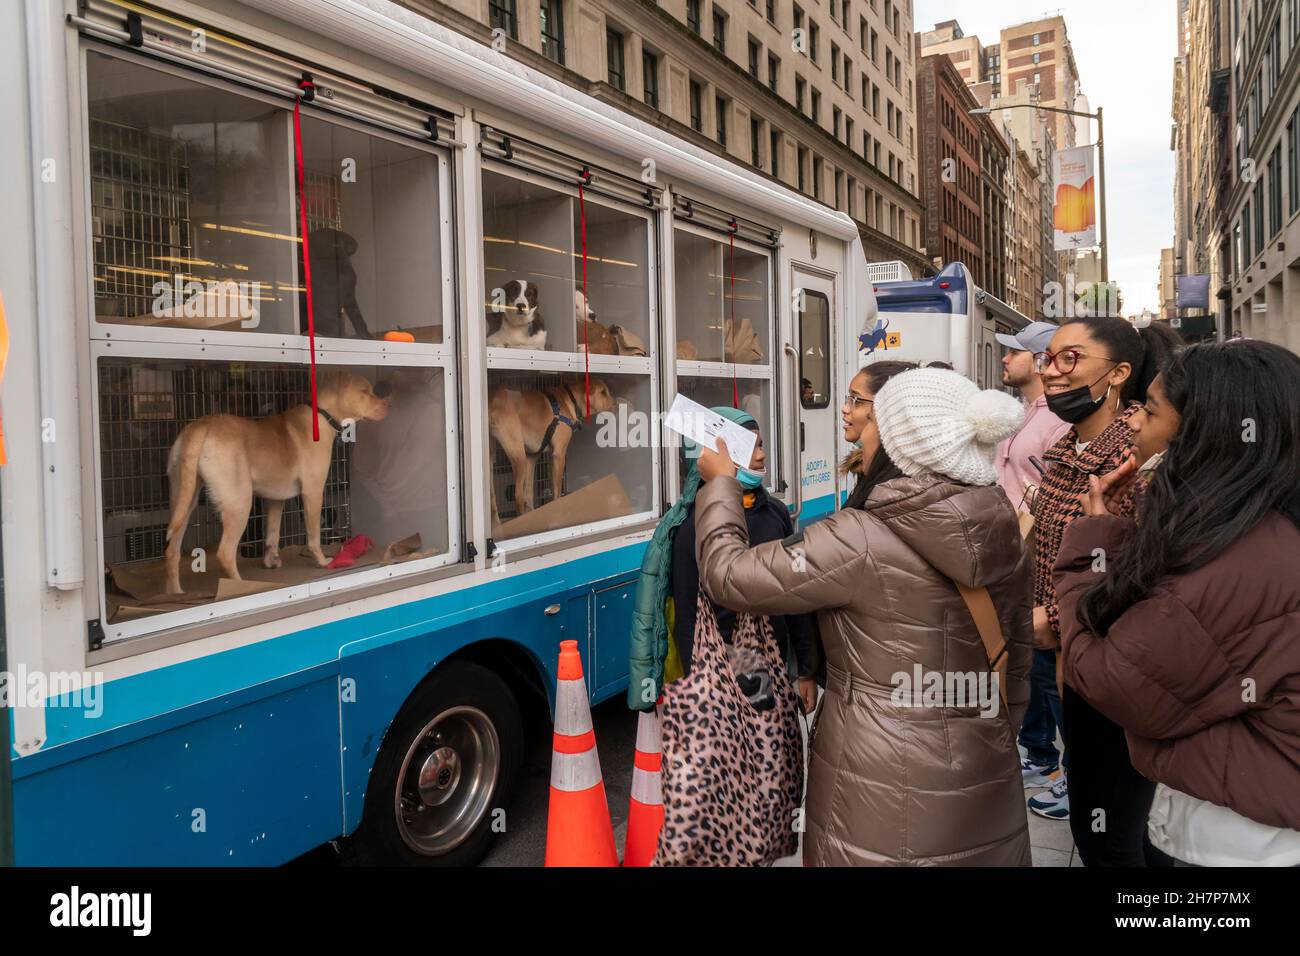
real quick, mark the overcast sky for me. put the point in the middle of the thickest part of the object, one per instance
(1125, 52)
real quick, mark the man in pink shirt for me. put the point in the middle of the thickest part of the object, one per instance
(1039, 761)
(1041, 429)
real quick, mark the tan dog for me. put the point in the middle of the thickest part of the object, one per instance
(274, 458)
(519, 422)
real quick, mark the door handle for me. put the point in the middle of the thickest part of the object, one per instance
(552, 610)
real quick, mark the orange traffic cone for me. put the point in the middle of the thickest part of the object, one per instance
(645, 812)
(578, 829)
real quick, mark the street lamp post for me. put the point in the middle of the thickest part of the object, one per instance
(1101, 162)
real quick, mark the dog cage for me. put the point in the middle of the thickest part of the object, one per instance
(503, 476)
(143, 407)
(140, 209)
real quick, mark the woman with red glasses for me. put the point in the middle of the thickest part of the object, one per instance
(1095, 376)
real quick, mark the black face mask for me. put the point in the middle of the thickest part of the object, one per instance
(1077, 404)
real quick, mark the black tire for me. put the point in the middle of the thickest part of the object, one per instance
(458, 693)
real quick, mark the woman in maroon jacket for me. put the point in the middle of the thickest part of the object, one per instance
(1187, 638)
(1095, 374)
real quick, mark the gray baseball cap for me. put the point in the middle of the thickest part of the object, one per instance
(1034, 337)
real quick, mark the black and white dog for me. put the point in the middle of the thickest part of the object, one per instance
(520, 323)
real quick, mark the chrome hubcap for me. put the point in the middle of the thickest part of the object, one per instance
(447, 780)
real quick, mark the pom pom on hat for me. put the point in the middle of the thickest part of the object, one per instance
(934, 421)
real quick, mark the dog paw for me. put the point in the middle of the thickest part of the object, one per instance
(272, 560)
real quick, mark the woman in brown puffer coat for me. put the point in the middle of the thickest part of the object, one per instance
(895, 777)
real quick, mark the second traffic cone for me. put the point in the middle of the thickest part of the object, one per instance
(645, 812)
(578, 828)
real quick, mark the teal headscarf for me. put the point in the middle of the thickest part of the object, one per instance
(648, 650)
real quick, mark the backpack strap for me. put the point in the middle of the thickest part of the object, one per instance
(981, 608)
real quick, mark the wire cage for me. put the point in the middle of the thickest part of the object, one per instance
(503, 476)
(140, 208)
(143, 407)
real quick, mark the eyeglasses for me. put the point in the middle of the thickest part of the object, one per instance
(1064, 360)
(854, 400)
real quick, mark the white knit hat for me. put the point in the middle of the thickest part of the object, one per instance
(933, 420)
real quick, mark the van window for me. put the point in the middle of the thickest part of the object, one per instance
(203, 376)
(570, 382)
(814, 350)
(724, 339)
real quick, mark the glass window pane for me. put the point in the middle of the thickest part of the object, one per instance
(755, 398)
(528, 264)
(618, 282)
(815, 359)
(532, 253)
(705, 303)
(383, 478)
(373, 220)
(192, 206)
(545, 478)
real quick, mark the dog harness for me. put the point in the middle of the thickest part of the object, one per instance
(558, 418)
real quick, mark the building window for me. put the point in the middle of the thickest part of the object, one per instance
(771, 11)
(800, 88)
(816, 105)
(817, 177)
(798, 17)
(1293, 179)
(1244, 228)
(773, 72)
(697, 106)
(848, 76)
(801, 173)
(693, 16)
(774, 150)
(835, 63)
(614, 59)
(719, 30)
(756, 141)
(1035, 39)
(1259, 218)
(1038, 78)
(835, 121)
(814, 40)
(874, 50)
(552, 14)
(755, 49)
(848, 132)
(720, 111)
(1275, 190)
(502, 16)
(650, 77)
(1037, 57)
(839, 189)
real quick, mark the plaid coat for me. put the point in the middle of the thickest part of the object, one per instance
(1057, 502)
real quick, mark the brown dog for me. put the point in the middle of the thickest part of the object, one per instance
(274, 458)
(518, 422)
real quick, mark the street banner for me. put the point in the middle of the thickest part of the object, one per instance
(1074, 214)
(1192, 292)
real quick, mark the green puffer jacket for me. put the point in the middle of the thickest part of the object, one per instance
(652, 659)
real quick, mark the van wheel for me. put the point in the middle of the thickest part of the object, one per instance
(450, 759)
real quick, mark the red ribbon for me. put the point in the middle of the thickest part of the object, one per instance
(308, 88)
(584, 176)
(735, 333)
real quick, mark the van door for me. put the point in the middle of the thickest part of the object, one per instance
(816, 399)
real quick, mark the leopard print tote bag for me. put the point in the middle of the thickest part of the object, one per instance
(732, 775)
